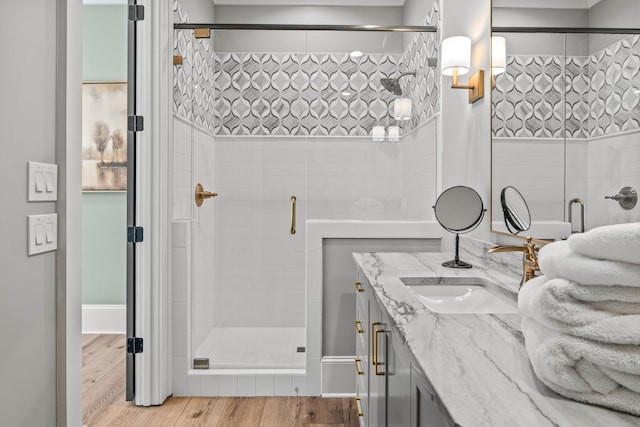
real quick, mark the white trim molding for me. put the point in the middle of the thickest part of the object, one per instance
(68, 145)
(104, 318)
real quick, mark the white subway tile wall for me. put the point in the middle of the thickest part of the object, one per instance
(538, 175)
(614, 162)
(182, 169)
(203, 237)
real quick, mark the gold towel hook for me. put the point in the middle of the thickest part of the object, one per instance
(201, 195)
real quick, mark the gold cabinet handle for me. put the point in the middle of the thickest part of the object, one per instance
(201, 195)
(374, 345)
(358, 409)
(293, 214)
(359, 287)
(378, 363)
(359, 328)
(358, 370)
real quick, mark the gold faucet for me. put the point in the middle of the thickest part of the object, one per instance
(529, 258)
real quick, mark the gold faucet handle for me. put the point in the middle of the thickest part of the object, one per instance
(201, 195)
(532, 249)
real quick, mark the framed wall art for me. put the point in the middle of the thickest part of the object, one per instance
(104, 136)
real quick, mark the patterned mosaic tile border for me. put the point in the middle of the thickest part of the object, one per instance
(300, 93)
(193, 93)
(595, 94)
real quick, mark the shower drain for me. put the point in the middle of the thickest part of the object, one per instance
(300, 349)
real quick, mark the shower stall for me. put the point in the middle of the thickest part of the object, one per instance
(277, 122)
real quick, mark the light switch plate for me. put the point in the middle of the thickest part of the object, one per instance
(43, 233)
(43, 182)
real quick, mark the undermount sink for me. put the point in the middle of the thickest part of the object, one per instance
(459, 295)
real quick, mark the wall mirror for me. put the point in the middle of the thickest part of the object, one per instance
(566, 110)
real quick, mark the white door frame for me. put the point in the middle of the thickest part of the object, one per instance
(154, 83)
(68, 148)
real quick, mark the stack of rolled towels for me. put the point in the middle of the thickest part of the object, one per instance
(581, 318)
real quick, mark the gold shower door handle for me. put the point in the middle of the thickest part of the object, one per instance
(293, 214)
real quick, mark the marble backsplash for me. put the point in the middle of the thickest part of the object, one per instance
(474, 251)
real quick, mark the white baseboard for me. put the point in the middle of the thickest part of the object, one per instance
(104, 318)
(338, 376)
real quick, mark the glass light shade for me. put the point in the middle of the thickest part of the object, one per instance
(377, 133)
(394, 133)
(402, 109)
(498, 55)
(456, 53)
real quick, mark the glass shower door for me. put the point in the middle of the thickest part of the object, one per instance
(248, 299)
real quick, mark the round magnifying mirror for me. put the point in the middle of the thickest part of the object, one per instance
(517, 217)
(459, 210)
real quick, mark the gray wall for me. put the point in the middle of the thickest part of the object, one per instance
(27, 284)
(338, 292)
(612, 14)
(542, 44)
(201, 11)
(308, 41)
(413, 13)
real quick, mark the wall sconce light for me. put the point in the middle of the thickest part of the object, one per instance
(402, 109)
(377, 133)
(456, 60)
(498, 55)
(394, 133)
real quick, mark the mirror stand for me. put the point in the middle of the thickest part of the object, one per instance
(455, 262)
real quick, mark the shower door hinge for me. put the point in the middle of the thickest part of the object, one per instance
(135, 123)
(134, 345)
(136, 12)
(135, 234)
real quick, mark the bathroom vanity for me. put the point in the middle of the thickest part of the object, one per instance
(449, 356)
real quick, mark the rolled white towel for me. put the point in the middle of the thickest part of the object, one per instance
(558, 260)
(608, 314)
(587, 371)
(619, 242)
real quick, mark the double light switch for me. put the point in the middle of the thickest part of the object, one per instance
(43, 182)
(43, 233)
(43, 187)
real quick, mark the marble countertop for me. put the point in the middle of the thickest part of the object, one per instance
(476, 363)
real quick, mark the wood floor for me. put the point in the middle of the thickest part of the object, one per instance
(103, 400)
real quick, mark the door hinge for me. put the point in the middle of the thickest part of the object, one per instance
(134, 345)
(136, 12)
(135, 234)
(135, 123)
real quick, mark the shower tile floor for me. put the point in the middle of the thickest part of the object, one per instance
(269, 348)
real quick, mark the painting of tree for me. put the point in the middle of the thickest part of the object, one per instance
(117, 141)
(104, 136)
(101, 137)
